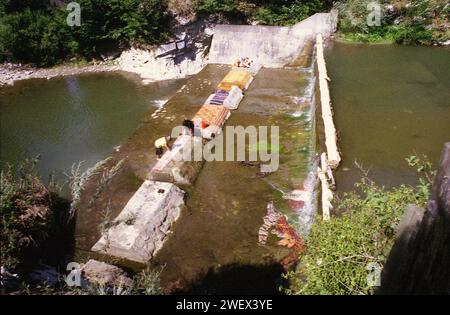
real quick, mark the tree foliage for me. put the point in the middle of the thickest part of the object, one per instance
(30, 215)
(34, 32)
(36, 36)
(110, 23)
(404, 22)
(270, 12)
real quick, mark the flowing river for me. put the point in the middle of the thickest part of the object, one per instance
(72, 119)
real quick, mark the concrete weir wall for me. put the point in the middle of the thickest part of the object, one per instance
(273, 46)
(142, 226)
(140, 230)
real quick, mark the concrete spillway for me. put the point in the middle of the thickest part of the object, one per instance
(272, 46)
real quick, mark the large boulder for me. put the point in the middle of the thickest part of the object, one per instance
(142, 227)
(103, 274)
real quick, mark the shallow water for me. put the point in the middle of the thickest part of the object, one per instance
(390, 102)
(75, 118)
(216, 239)
(214, 246)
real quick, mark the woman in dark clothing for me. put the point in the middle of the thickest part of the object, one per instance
(190, 125)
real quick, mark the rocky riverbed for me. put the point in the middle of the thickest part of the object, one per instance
(186, 54)
(10, 72)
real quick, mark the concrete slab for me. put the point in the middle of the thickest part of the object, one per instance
(180, 165)
(141, 228)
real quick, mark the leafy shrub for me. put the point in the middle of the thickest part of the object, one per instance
(217, 6)
(288, 12)
(112, 23)
(37, 36)
(404, 22)
(340, 250)
(410, 34)
(272, 12)
(34, 33)
(28, 212)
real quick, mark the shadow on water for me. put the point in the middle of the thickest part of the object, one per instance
(238, 279)
(59, 250)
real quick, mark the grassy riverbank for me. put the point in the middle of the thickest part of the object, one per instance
(343, 252)
(402, 21)
(34, 219)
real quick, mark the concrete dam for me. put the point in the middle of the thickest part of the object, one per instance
(272, 46)
(212, 216)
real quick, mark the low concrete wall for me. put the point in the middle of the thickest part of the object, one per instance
(273, 46)
(174, 167)
(140, 230)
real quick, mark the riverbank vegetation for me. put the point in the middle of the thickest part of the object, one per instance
(402, 21)
(36, 32)
(36, 231)
(343, 254)
(146, 282)
(34, 218)
(271, 12)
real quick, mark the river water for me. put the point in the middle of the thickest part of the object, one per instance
(390, 102)
(214, 247)
(216, 243)
(72, 119)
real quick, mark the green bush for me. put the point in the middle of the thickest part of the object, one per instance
(36, 36)
(410, 34)
(340, 250)
(288, 12)
(420, 22)
(271, 12)
(217, 6)
(115, 23)
(31, 32)
(28, 211)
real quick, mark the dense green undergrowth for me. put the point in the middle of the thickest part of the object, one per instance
(34, 218)
(36, 228)
(402, 21)
(269, 12)
(34, 32)
(342, 252)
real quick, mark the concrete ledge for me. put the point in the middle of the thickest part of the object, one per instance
(141, 228)
(174, 167)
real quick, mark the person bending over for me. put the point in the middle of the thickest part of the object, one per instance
(161, 144)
